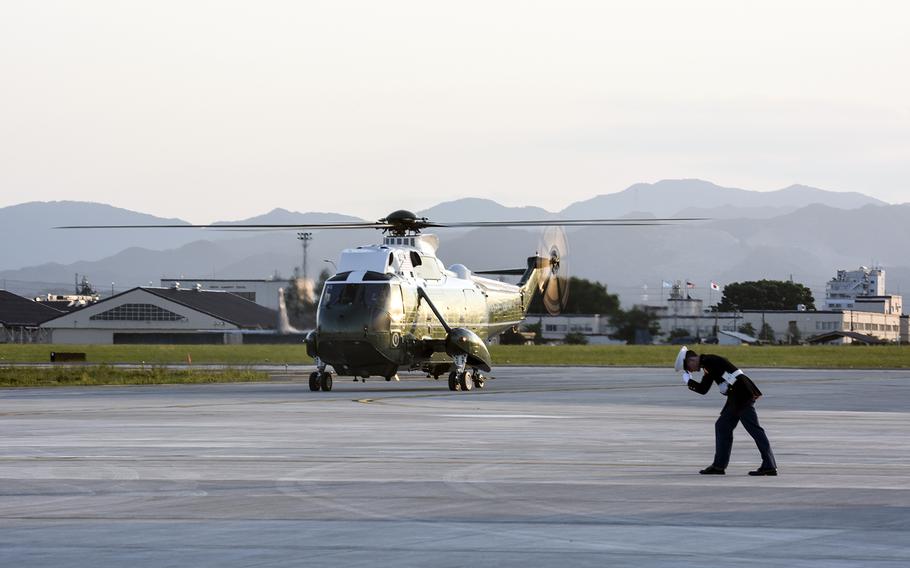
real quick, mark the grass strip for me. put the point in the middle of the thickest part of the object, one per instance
(782, 356)
(106, 375)
(239, 355)
(798, 356)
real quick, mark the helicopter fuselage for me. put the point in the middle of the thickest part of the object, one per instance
(376, 315)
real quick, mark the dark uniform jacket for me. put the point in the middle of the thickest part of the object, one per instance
(741, 393)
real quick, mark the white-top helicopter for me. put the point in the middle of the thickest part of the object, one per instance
(394, 306)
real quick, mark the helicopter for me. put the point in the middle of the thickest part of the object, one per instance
(394, 306)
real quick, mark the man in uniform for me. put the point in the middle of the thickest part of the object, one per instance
(741, 395)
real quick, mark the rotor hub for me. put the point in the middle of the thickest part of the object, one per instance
(403, 222)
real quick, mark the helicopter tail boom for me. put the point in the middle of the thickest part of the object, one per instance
(531, 279)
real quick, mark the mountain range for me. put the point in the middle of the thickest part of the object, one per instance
(803, 232)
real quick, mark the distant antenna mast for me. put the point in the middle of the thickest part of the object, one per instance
(304, 238)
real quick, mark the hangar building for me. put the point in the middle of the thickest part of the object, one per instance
(163, 315)
(20, 319)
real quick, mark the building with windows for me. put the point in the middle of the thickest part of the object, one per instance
(856, 304)
(163, 315)
(595, 327)
(793, 326)
(785, 326)
(862, 289)
(841, 290)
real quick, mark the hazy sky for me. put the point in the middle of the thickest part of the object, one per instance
(224, 110)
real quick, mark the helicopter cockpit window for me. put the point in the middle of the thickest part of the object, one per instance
(348, 294)
(415, 259)
(369, 295)
(375, 295)
(427, 269)
(396, 305)
(338, 294)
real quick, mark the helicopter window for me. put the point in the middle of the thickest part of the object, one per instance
(339, 294)
(373, 276)
(396, 305)
(375, 295)
(427, 269)
(415, 259)
(341, 276)
(355, 294)
(348, 294)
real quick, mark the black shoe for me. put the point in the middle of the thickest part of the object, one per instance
(711, 470)
(764, 471)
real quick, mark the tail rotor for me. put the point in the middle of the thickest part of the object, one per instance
(554, 280)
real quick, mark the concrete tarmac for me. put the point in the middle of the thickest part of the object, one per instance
(545, 467)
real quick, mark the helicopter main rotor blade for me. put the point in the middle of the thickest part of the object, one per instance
(241, 227)
(568, 223)
(403, 222)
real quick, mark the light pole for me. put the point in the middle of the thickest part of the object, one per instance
(304, 238)
(334, 268)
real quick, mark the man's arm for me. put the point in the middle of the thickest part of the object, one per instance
(701, 387)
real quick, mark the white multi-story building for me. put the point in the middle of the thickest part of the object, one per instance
(865, 285)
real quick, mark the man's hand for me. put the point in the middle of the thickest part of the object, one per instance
(686, 377)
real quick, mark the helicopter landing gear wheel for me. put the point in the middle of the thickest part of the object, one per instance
(453, 381)
(467, 380)
(315, 383)
(478, 380)
(326, 381)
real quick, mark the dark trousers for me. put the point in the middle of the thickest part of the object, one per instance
(730, 416)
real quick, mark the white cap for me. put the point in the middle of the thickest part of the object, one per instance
(681, 359)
